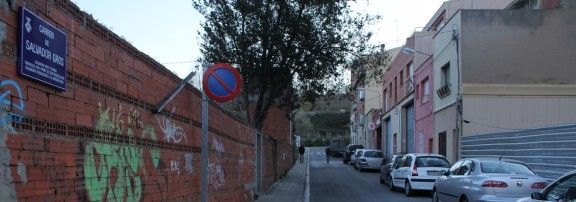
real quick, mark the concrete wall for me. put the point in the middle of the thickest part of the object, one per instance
(99, 139)
(518, 46)
(489, 110)
(445, 121)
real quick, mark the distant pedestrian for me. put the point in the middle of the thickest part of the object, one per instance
(301, 150)
(328, 153)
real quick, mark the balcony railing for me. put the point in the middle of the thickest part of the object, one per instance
(443, 91)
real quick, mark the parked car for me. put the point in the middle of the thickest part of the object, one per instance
(487, 179)
(349, 151)
(563, 189)
(369, 159)
(386, 168)
(354, 156)
(418, 172)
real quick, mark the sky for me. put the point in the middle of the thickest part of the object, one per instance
(168, 30)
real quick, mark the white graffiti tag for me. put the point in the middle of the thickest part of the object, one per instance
(175, 166)
(217, 174)
(172, 132)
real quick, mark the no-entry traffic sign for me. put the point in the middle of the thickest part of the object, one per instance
(221, 82)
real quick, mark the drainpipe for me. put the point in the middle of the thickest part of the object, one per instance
(459, 128)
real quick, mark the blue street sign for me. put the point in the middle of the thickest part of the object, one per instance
(42, 51)
(221, 82)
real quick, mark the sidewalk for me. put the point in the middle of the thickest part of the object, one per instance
(294, 187)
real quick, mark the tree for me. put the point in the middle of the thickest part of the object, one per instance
(287, 51)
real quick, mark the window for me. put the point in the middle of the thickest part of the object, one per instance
(401, 78)
(466, 168)
(425, 90)
(390, 89)
(432, 161)
(410, 70)
(385, 100)
(504, 167)
(455, 167)
(407, 162)
(445, 77)
(395, 89)
(564, 189)
(417, 94)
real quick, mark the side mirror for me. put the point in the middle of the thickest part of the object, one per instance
(538, 196)
(445, 173)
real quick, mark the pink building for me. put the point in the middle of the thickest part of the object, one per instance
(423, 100)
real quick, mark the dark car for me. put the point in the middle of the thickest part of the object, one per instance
(349, 150)
(386, 168)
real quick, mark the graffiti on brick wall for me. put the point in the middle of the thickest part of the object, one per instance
(120, 119)
(175, 166)
(217, 175)
(172, 132)
(10, 101)
(112, 171)
(189, 163)
(101, 160)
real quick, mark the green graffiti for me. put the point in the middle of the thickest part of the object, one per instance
(111, 171)
(101, 160)
(154, 152)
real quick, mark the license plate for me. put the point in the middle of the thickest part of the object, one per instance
(433, 173)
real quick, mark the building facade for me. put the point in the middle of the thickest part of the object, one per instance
(518, 77)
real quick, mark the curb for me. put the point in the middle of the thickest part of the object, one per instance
(307, 186)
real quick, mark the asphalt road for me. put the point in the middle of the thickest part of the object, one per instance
(336, 181)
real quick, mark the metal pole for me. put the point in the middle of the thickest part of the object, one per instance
(204, 146)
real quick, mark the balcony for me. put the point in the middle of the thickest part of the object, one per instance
(443, 91)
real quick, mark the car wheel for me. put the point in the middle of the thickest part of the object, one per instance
(435, 195)
(360, 169)
(463, 199)
(407, 189)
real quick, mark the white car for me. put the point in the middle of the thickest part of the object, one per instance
(418, 172)
(369, 159)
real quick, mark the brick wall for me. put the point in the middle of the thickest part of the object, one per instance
(278, 150)
(99, 139)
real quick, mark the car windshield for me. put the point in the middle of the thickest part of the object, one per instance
(432, 161)
(504, 167)
(373, 154)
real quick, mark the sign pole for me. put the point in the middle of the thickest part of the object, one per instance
(204, 146)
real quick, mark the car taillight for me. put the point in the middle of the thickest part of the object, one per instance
(415, 170)
(538, 185)
(494, 184)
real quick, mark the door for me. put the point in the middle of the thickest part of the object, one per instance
(409, 128)
(446, 187)
(442, 143)
(389, 150)
(379, 138)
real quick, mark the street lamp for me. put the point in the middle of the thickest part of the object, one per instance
(410, 51)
